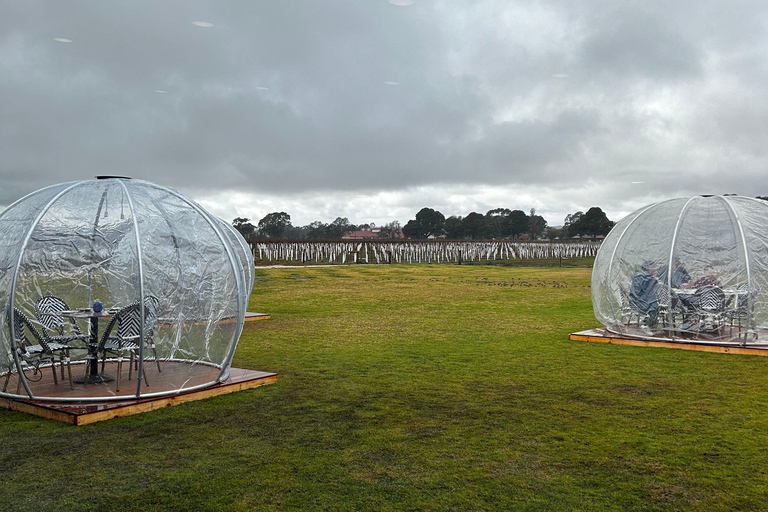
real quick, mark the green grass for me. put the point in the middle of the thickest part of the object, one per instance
(424, 387)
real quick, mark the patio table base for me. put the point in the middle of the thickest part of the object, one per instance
(92, 379)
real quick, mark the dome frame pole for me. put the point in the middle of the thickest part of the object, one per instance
(615, 247)
(140, 372)
(29, 196)
(746, 261)
(246, 249)
(176, 251)
(671, 254)
(236, 267)
(14, 279)
(93, 237)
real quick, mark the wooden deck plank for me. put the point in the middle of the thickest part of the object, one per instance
(604, 336)
(86, 413)
(251, 317)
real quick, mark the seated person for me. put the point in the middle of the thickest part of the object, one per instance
(642, 294)
(680, 276)
(708, 279)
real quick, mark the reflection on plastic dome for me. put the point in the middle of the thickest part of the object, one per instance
(688, 269)
(173, 280)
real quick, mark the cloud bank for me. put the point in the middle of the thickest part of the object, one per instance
(372, 110)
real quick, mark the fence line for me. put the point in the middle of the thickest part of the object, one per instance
(417, 251)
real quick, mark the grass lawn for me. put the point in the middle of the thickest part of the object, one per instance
(421, 388)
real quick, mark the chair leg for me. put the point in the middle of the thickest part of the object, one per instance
(53, 367)
(157, 359)
(87, 368)
(8, 377)
(119, 371)
(69, 371)
(130, 366)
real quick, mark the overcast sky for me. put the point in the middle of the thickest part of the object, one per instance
(371, 110)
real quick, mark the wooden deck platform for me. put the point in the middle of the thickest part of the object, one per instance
(173, 373)
(601, 335)
(83, 413)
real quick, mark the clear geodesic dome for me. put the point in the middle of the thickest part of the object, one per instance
(124, 243)
(688, 269)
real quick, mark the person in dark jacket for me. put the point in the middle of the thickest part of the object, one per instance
(680, 275)
(642, 294)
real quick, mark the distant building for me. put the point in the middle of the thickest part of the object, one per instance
(359, 235)
(370, 235)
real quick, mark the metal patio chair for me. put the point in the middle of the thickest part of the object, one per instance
(709, 310)
(125, 339)
(48, 309)
(743, 310)
(35, 354)
(628, 310)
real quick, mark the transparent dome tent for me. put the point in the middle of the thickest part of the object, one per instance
(687, 269)
(172, 279)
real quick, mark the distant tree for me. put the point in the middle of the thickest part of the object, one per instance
(553, 232)
(273, 224)
(573, 225)
(428, 222)
(517, 223)
(595, 222)
(244, 226)
(497, 222)
(454, 227)
(316, 229)
(412, 229)
(592, 223)
(338, 227)
(764, 198)
(389, 229)
(474, 226)
(432, 221)
(536, 224)
(295, 232)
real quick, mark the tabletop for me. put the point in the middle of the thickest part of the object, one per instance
(89, 313)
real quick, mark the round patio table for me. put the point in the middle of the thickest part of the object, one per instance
(92, 376)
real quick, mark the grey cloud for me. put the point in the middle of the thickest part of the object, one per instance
(327, 120)
(641, 45)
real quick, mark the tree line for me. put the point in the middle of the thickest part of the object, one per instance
(278, 225)
(498, 223)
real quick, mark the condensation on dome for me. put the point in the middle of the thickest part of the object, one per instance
(688, 269)
(125, 243)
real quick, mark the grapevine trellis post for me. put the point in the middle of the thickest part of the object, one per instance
(417, 251)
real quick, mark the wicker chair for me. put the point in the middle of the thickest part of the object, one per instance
(629, 312)
(48, 309)
(743, 310)
(709, 310)
(126, 338)
(35, 354)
